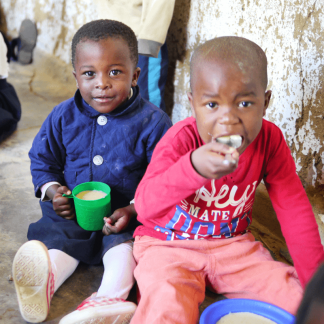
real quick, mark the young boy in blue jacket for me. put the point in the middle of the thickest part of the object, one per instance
(106, 133)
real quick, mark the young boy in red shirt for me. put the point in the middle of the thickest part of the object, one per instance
(195, 200)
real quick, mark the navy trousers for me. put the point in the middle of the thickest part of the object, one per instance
(66, 235)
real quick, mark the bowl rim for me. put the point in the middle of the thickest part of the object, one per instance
(217, 310)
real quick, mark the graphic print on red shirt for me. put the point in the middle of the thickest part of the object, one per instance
(211, 214)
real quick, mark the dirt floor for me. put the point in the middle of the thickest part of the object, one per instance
(40, 86)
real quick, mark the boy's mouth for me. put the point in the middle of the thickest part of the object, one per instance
(231, 140)
(102, 98)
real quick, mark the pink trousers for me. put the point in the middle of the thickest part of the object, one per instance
(172, 277)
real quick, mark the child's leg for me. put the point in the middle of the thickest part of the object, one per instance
(34, 282)
(63, 266)
(37, 274)
(108, 305)
(118, 278)
(171, 280)
(245, 269)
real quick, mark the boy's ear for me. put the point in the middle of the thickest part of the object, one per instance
(136, 75)
(267, 98)
(74, 74)
(189, 94)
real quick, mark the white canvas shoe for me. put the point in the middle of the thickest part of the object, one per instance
(34, 281)
(101, 310)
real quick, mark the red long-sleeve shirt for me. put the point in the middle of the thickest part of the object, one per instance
(174, 202)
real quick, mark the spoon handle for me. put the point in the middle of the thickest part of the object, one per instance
(68, 196)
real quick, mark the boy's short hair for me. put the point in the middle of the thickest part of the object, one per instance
(97, 30)
(239, 50)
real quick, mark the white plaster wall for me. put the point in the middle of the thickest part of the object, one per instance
(56, 20)
(291, 32)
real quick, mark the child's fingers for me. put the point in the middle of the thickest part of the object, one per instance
(61, 201)
(110, 229)
(63, 208)
(107, 220)
(223, 153)
(110, 223)
(67, 214)
(117, 221)
(226, 164)
(106, 229)
(215, 160)
(112, 219)
(63, 190)
(231, 159)
(117, 226)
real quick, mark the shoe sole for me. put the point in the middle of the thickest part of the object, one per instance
(31, 270)
(112, 314)
(28, 37)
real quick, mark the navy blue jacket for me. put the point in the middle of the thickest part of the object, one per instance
(77, 144)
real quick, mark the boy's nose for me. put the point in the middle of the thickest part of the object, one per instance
(103, 82)
(228, 116)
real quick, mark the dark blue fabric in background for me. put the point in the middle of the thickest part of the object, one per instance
(153, 77)
(10, 109)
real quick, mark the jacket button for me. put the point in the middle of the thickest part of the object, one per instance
(98, 160)
(102, 120)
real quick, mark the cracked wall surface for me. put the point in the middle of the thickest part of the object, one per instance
(291, 32)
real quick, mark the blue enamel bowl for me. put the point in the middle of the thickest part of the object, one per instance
(216, 311)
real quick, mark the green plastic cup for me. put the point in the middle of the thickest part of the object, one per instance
(90, 213)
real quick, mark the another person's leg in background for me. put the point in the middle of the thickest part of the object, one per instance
(27, 37)
(153, 77)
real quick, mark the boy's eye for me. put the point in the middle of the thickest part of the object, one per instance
(212, 105)
(89, 73)
(114, 72)
(245, 104)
